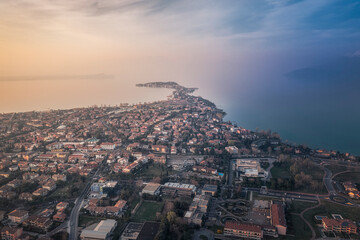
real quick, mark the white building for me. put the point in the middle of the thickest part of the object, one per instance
(152, 189)
(101, 230)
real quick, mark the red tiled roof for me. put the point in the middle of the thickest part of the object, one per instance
(243, 226)
(345, 223)
(278, 215)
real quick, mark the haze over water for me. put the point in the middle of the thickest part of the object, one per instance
(289, 66)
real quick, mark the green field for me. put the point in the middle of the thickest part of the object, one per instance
(147, 211)
(336, 168)
(299, 206)
(154, 170)
(297, 229)
(280, 171)
(352, 176)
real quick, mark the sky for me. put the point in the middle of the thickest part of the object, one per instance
(245, 55)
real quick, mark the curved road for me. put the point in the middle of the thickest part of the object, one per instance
(313, 233)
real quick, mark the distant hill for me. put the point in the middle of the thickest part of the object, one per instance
(345, 69)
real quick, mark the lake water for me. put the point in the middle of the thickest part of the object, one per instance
(317, 119)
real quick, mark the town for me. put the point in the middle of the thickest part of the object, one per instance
(171, 169)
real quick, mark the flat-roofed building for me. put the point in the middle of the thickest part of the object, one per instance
(152, 189)
(179, 189)
(209, 190)
(18, 216)
(101, 230)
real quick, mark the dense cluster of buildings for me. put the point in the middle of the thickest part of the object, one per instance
(40, 151)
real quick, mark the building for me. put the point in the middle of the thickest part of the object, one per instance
(101, 230)
(108, 146)
(18, 216)
(59, 217)
(11, 233)
(62, 205)
(243, 230)
(152, 189)
(278, 219)
(38, 222)
(178, 189)
(339, 225)
(209, 190)
(249, 168)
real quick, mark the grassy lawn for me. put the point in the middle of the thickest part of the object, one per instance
(86, 220)
(297, 228)
(299, 206)
(154, 170)
(352, 176)
(336, 168)
(147, 211)
(281, 171)
(256, 196)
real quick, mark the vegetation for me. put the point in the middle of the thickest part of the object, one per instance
(297, 228)
(297, 174)
(147, 211)
(327, 208)
(349, 176)
(299, 206)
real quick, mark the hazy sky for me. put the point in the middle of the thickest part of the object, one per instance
(239, 43)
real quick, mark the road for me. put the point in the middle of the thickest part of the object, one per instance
(74, 216)
(327, 179)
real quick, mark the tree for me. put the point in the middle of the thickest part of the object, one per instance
(171, 217)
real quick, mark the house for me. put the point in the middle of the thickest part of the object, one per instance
(40, 192)
(59, 217)
(121, 205)
(50, 185)
(11, 233)
(18, 216)
(59, 177)
(38, 222)
(339, 225)
(62, 205)
(25, 196)
(243, 230)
